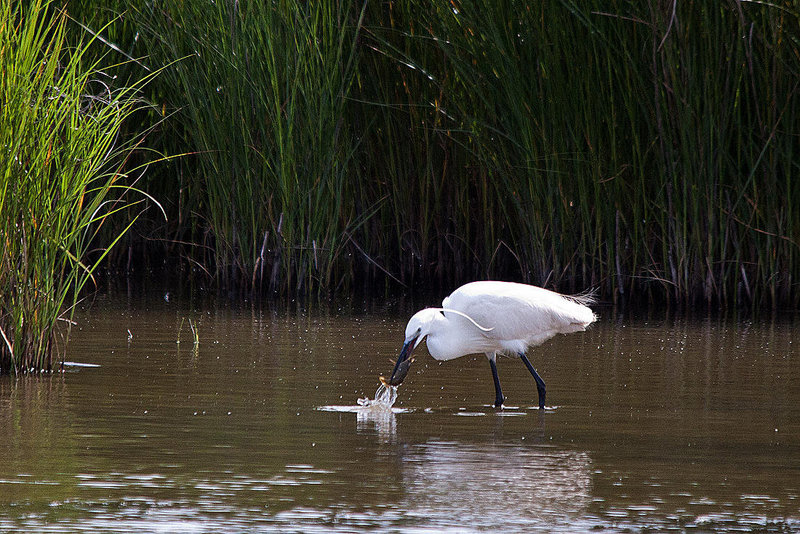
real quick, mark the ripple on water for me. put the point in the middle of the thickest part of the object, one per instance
(744, 522)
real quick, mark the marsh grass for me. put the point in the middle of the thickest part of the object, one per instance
(262, 88)
(61, 179)
(646, 149)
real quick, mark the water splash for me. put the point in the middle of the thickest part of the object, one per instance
(384, 399)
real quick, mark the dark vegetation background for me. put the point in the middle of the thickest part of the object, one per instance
(648, 149)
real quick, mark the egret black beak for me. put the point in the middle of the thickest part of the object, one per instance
(404, 362)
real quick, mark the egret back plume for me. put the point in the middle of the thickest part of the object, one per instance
(586, 298)
(473, 321)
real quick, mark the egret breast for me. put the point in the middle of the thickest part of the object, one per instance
(441, 349)
(454, 344)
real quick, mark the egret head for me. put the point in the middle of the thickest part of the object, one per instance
(417, 328)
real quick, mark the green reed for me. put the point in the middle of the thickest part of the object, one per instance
(260, 91)
(647, 149)
(60, 179)
(625, 146)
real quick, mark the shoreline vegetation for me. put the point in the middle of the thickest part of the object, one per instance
(63, 170)
(649, 150)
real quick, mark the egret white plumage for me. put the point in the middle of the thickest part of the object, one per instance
(493, 318)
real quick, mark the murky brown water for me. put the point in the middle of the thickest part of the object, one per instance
(660, 424)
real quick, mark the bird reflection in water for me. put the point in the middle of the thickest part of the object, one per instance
(487, 485)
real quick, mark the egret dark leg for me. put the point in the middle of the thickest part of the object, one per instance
(498, 393)
(539, 382)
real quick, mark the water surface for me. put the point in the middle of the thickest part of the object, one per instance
(691, 425)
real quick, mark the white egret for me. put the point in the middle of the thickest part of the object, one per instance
(493, 318)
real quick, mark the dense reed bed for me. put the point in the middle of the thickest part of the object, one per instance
(60, 178)
(260, 91)
(641, 148)
(646, 149)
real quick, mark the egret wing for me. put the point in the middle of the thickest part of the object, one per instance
(519, 312)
